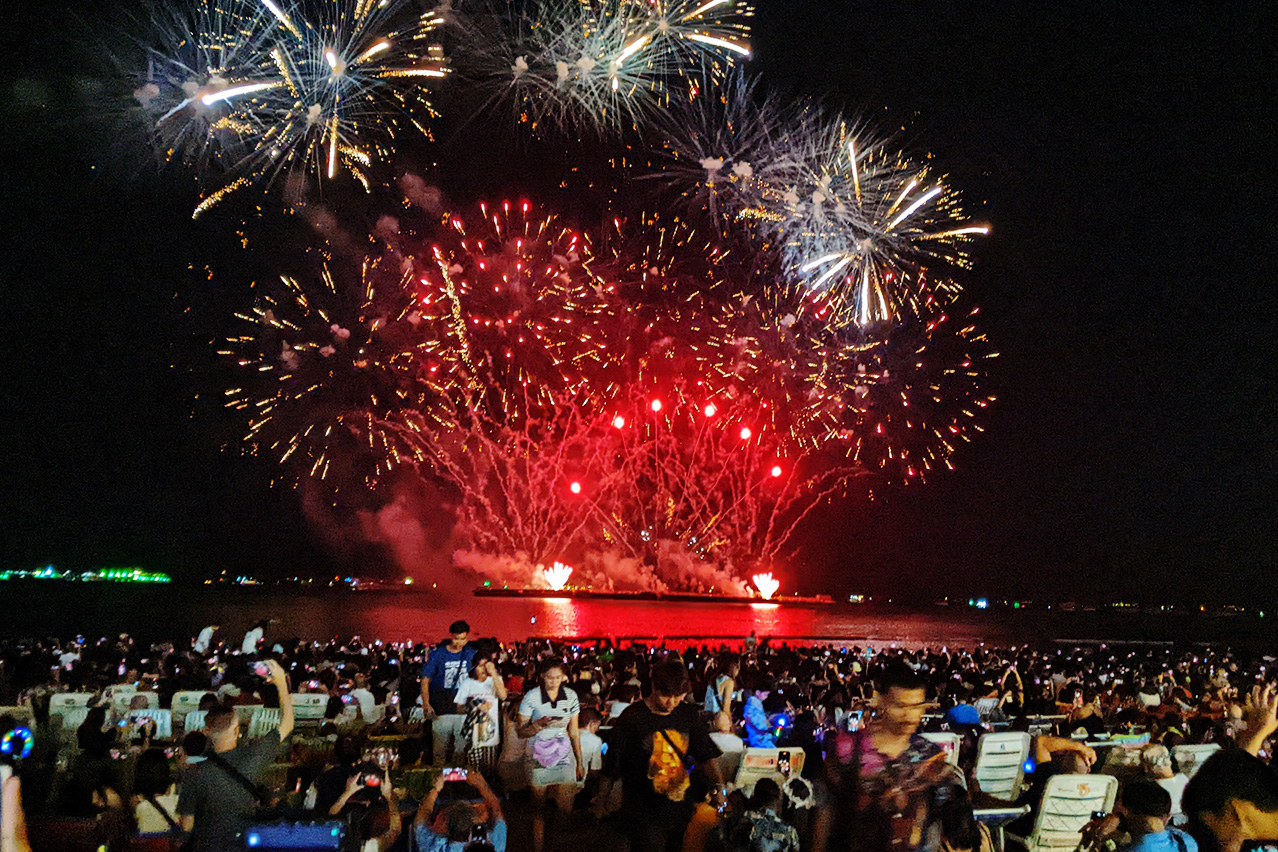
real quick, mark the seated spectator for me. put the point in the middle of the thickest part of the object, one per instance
(154, 794)
(761, 828)
(1232, 798)
(92, 787)
(329, 786)
(1145, 809)
(705, 817)
(730, 745)
(455, 828)
(1156, 763)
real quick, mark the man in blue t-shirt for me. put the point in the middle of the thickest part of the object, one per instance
(446, 667)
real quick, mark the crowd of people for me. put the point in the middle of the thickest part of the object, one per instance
(631, 746)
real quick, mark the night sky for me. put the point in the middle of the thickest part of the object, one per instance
(1122, 153)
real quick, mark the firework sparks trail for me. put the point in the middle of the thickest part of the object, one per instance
(258, 88)
(605, 65)
(510, 307)
(333, 390)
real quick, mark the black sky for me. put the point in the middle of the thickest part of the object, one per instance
(1122, 153)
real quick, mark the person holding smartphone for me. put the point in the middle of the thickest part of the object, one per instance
(548, 721)
(460, 823)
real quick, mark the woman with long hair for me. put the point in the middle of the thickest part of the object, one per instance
(548, 722)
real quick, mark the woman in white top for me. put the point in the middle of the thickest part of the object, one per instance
(548, 722)
(154, 794)
(479, 699)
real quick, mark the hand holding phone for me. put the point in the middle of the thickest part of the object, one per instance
(455, 773)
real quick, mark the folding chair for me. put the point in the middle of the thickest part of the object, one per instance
(185, 702)
(1189, 757)
(1067, 806)
(1000, 763)
(949, 743)
(263, 721)
(309, 706)
(194, 721)
(163, 721)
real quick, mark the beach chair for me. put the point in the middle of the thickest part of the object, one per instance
(61, 702)
(263, 721)
(1000, 763)
(194, 721)
(121, 701)
(1067, 806)
(949, 743)
(163, 721)
(309, 706)
(73, 717)
(416, 715)
(185, 702)
(1189, 757)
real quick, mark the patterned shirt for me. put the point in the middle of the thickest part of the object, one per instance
(889, 803)
(763, 831)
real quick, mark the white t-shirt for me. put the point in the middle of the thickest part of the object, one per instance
(366, 702)
(488, 733)
(591, 750)
(249, 645)
(205, 639)
(1175, 786)
(151, 821)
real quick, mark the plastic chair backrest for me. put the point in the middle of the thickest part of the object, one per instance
(264, 720)
(63, 701)
(194, 721)
(73, 717)
(185, 702)
(417, 714)
(120, 701)
(1067, 806)
(309, 706)
(244, 712)
(1189, 757)
(163, 721)
(1000, 763)
(949, 743)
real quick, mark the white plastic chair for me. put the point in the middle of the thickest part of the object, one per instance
(263, 721)
(163, 721)
(417, 714)
(1000, 763)
(194, 721)
(1190, 757)
(1067, 806)
(185, 702)
(244, 712)
(949, 743)
(73, 717)
(120, 701)
(61, 702)
(309, 706)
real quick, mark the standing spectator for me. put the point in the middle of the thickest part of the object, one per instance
(589, 721)
(219, 795)
(205, 640)
(886, 782)
(731, 746)
(720, 692)
(548, 719)
(479, 699)
(254, 637)
(154, 794)
(445, 668)
(653, 748)
(364, 697)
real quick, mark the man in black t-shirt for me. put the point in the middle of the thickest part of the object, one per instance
(654, 746)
